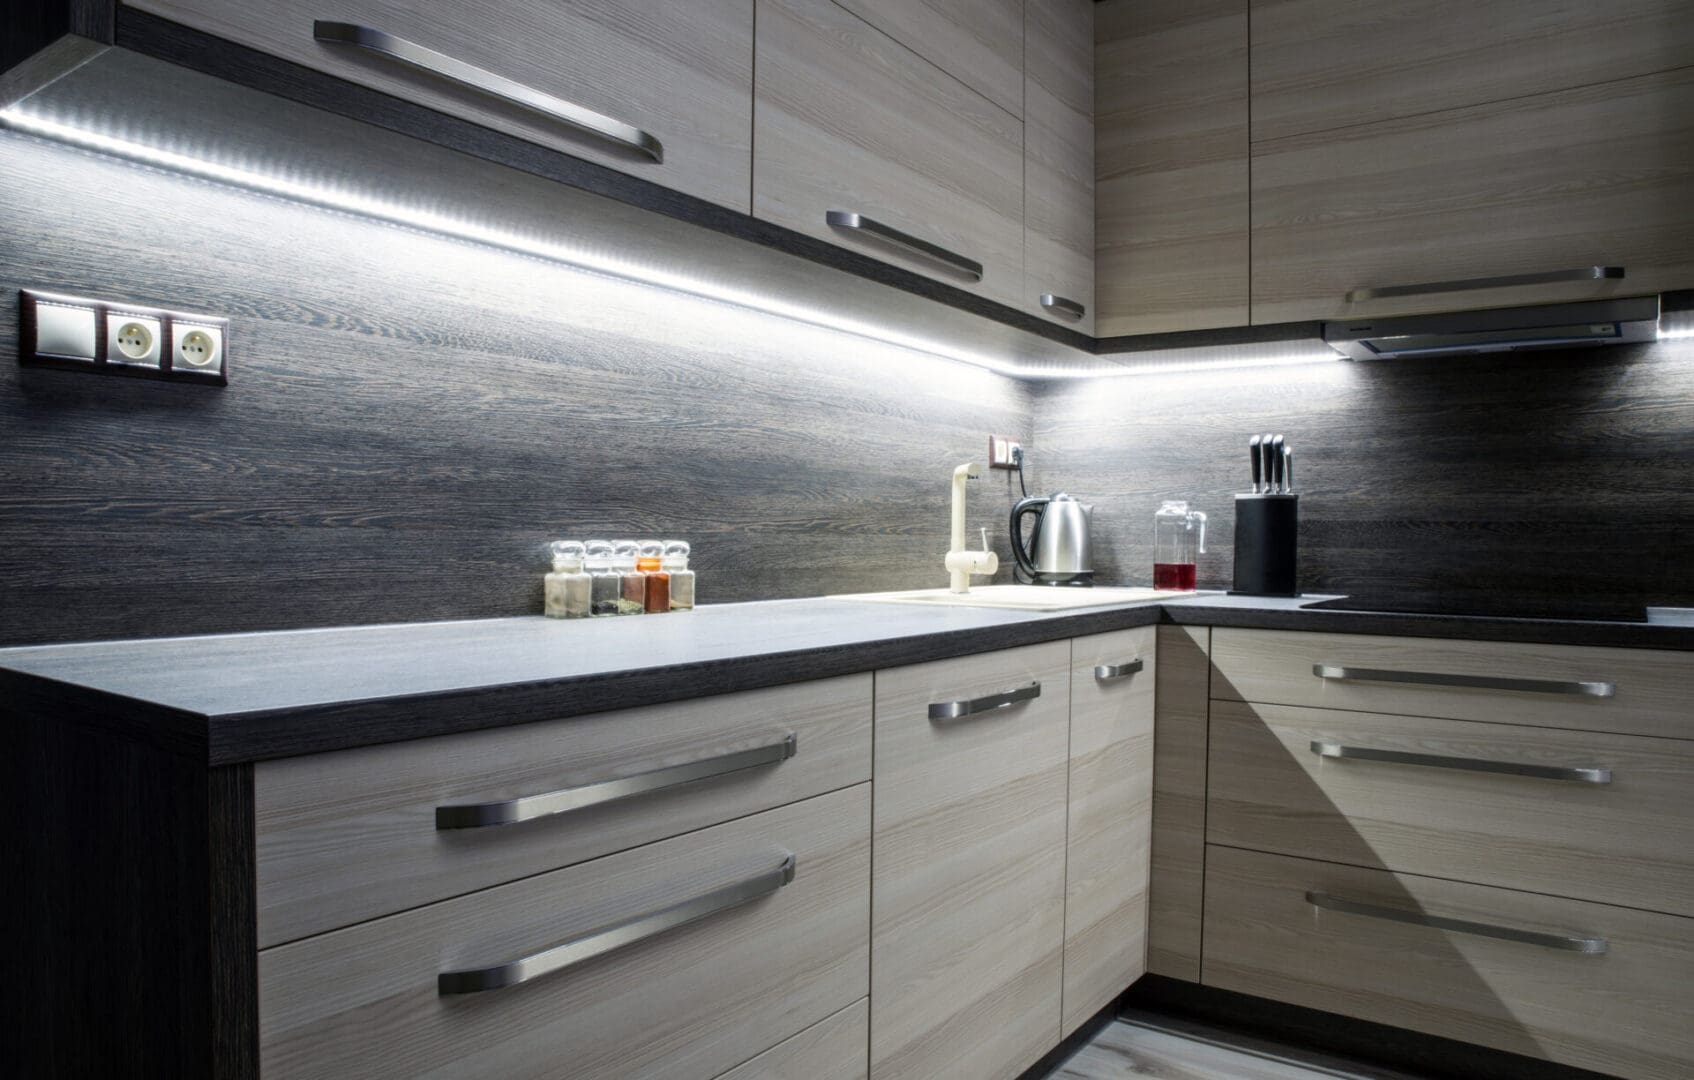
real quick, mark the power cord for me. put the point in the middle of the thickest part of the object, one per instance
(1017, 463)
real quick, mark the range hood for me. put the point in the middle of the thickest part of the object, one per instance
(1596, 322)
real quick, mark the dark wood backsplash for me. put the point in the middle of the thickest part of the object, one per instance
(409, 419)
(1545, 475)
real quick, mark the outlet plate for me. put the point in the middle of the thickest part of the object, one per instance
(1001, 450)
(74, 333)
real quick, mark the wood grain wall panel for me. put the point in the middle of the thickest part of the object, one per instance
(410, 419)
(1539, 475)
(1170, 165)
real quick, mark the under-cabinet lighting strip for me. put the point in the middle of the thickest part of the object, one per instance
(19, 119)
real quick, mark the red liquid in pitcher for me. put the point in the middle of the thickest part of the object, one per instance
(1173, 575)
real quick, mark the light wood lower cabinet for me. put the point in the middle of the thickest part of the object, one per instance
(1600, 817)
(682, 73)
(692, 1001)
(968, 888)
(1350, 941)
(849, 120)
(1179, 802)
(831, 1049)
(1111, 811)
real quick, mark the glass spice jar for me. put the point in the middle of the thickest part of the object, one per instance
(648, 559)
(681, 577)
(632, 596)
(606, 584)
(568, 587)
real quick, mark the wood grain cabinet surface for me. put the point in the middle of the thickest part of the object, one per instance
(1058, 146)
(694, 1001)
(1322, 64)
(1109, 838)
(351, 835)
(978, 42)
(681, 72)
(1179, 802)
(1599, 175)
(1292, 930)
(849, 120)
(968, 885)
(1651, 689)
(834, 1048)
(1171, 165)
(1628, 840)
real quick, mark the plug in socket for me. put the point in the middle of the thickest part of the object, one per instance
(133, 339)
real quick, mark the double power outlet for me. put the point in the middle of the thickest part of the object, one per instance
(78, 334)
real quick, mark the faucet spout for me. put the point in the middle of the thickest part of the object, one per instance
(960, 563)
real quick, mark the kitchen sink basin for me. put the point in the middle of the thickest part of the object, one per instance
(1020, 597)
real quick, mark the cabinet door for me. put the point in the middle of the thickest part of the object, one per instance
(1322, 64)
(1058, 147)
(1170, 165)
(682, 73)
(1600, 175)
(1179, 802)
(968, 870)
(1109, 838)
(978, 42)
(848, 120)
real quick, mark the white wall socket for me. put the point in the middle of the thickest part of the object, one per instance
(74, 333)
(197, 347)
(133, 339)
(1002, 452)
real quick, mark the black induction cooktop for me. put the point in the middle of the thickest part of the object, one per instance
(1492, 608)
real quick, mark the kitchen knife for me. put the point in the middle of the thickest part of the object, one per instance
(1265, 452)
(1288, 468)
(1253, 452)
(1276, 463)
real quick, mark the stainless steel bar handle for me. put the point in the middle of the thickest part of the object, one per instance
(530, 807)
(600, 942)
(486, 82)
(1592, 946)
(1582, 774)
(1580, 273)
(953, 710)
(1063, 305)
(1104, 672)
(1342, 673)
(846, 219)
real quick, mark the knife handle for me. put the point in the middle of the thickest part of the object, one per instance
(1288, 468)
(1276, 464)
(1265, 451)
(1253, 453)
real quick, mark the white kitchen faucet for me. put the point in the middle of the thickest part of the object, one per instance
(961, 564)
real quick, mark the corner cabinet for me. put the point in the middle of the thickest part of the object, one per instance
(861, 142)
(657, 90)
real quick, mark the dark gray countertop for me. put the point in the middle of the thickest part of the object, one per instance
(246, 697)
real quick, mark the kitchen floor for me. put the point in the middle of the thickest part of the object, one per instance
(1172, 1050)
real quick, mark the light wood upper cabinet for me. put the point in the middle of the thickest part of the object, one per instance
(1171, 196)
(849, 120)
(680, 72)
(1322, 64)
(978, 42)
(1111, 817)
(1058, 205)
(968, 871)
(1599, 175)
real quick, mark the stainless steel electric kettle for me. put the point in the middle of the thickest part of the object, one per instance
(1059, 540)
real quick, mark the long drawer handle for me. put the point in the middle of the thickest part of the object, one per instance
(846, 219)
(953, 710)
(1340, 673)
(1580, 273)
(1103, 672)
(1582, 774)
(486, 82)
(1064, 305)
(530, 807)
(1592, 946)
(617, 936)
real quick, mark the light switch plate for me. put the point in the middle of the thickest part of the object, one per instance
(74, 333)
(64, 330)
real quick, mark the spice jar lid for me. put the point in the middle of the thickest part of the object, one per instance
(569, 554)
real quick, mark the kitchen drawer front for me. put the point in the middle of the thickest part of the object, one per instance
(1596, 176)
(1058, 205)
(978, 42)
(968, 890)
(831, 1049)
(351, 835)
(1321, 64)
(682, 73)
(1110, 834)
(1628, 840)
(1652, 691)
(1273, 929)
(690, 1002)
(849, 120)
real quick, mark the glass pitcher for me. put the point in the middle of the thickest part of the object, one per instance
(1179, 534)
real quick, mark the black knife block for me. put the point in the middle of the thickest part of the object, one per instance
(1267, 545)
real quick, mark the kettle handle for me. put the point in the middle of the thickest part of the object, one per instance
(1033, 504)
